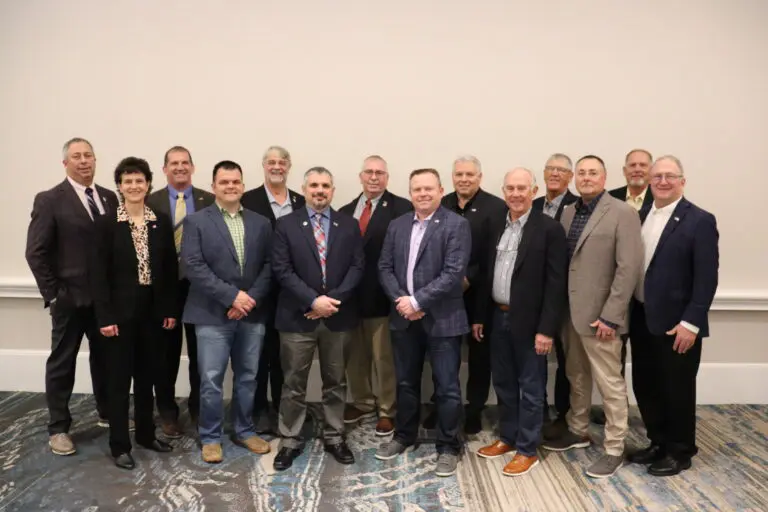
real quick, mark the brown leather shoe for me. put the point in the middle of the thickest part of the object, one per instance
(520, 465)
(384, 427)
(170, 429)
(494, 450)
(254, 444)
(352, 414)
(212, 453)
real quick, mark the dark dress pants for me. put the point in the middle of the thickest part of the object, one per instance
(664, 383)
(409, 348)
(562, 385)
(518, 379)
(270, 374)
(69, 324)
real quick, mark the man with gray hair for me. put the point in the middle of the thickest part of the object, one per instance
(318, 261)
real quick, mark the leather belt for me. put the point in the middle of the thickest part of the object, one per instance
(502, 307)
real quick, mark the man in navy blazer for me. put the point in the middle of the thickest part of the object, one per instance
(318, 261)
(422, 267)
(226, 254)
(669, 318)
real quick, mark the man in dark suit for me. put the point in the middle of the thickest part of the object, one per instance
(59, 241)
(226, 256)
(558, 172)
(371, 347)
(273, 200)
(478, 207)
(669, 318)
(318, 261)
(176, 201)
(521, 309)
(422, 268)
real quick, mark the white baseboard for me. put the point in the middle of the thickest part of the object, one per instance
(718, 383)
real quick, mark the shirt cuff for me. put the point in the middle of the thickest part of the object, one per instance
(690, 327)
(609, 324)
(414, 303)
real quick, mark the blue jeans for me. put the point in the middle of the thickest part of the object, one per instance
(242, 341)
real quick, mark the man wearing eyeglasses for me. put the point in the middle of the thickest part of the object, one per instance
(669, 318)
(371, 347)
(557, 177)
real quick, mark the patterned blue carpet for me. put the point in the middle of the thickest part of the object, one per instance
(729, 473)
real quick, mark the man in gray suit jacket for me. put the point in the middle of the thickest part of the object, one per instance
(176, 201)
(606, 257)
(422, 266)
(226, 253)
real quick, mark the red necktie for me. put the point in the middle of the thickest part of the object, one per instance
(365, 217)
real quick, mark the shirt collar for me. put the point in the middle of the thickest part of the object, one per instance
(429, 217)
(325, 213)
(272, 199)
(374, 200)
(590, 207)
(522, 220)
(122, 214)
(640, 197)
(556, 201)
(224, 210)
(667, 210)
(175, 193)
(78, 187)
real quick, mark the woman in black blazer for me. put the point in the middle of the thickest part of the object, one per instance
(133, 278)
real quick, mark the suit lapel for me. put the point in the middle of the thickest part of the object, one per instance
(105, 199)
(77, 206)
(332, 226)
(432, 226)
(674, 220)
(305, 226)
(218, 220)
(379, 214)
(601, 209)
(199, 199)
(250, 236)
(525, 240)
(165, 202)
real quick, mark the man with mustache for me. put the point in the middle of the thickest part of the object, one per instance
(176, 201)
(273, 200)
(318, 260)
(59, 240)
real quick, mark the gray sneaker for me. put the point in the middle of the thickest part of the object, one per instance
(61, 444)
(390, 450)
(605, 466)
(565, 442)
(446, 464)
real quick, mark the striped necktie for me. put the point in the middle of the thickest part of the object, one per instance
(92, 203)
(320, 241)
(178, 216)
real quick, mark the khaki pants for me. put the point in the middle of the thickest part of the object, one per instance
(371, 350)
(588, 358)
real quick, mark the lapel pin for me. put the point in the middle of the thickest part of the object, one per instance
(677, 219)
(437, 221)
(336, 224)
(384, 204)
(304, 223)
(473, 210)
(154, 226)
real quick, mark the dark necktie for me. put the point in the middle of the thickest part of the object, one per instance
(92, 203)
(365, 217)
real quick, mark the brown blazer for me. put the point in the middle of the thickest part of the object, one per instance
(606, 265)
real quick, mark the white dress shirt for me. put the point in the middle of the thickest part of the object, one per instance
(80, 191)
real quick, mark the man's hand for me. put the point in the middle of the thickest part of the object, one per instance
(604, 333)
(169, 323)
(543, 344)
(684, 339)
(464, 284)
(415, 316)
(323, 307)
(235, 314)
(477, 332)
(109, 331)
(404, 306)
(243, 303)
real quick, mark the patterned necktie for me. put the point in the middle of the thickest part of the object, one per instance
(320, 241)
(178, 216)
(92, 203)
(365, 217)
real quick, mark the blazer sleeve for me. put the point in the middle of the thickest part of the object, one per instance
(282, 267)
(705, 271)
(41, 239)
(263, 283)
(170, 271)
(101, 271)
(387, 277)
(355, 271)
(459, 245)
(197, 269)
(555, 282)
(629, 263)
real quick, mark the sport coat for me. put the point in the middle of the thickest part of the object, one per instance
(296, 264)
(160, 203)
(621, 194)
(370, 297)
(114, 274)
(606, 265)
(211, 265)
(441, 264)
(59, 243)
(681, 279)
(569, 198)
(256, 200)
(478, 211)
(538, 285)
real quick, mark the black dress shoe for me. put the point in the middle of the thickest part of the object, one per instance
(669, 466)
(341, 453)
(284, 458)
(158, 446)
(125, 461)
(430, 422)
(647, 455)
(473, 423)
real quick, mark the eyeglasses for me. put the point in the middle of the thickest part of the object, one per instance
(371, 172)
(670, 178)
(553, 168)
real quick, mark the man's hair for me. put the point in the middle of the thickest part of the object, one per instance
(317, 170)
(468, 158)
(426, 170)
(284, 154)
(592, 157)
(175, 149)
(374, 157)
(670, 158)
(639, 150)
(561, 156)
(227, 165)
(71, 141)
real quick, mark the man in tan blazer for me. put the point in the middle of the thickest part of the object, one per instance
(606, 259)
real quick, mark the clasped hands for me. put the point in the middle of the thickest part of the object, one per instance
(405, 307)
(242, 305)
(323, 307)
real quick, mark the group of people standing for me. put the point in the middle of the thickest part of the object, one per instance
(264, 278)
